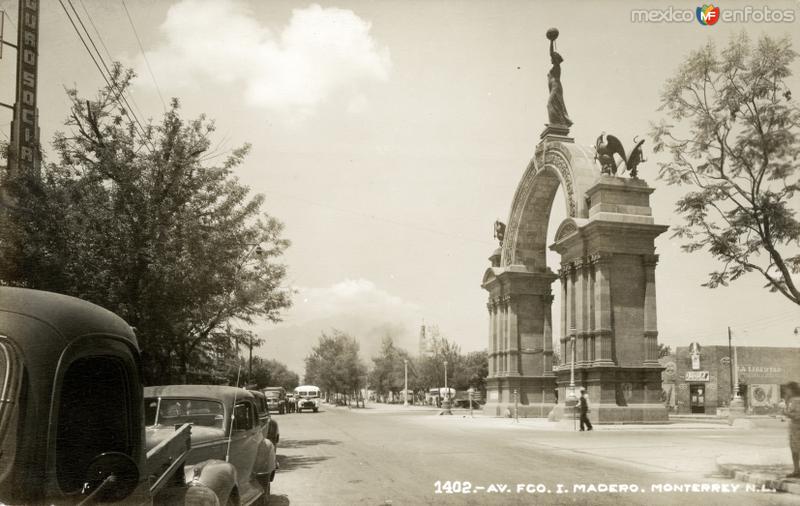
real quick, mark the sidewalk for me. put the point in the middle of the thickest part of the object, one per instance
(766, 469)
(378, 407)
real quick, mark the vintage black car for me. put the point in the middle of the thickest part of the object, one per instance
(276, 399)
(225, 426)
(272, 432)
(72, 413)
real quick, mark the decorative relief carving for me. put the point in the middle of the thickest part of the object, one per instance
(538, 156)
(565, 231)
(557, 159)
(547, 153)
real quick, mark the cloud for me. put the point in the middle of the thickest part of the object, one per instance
(319, 52)
(356, 297)
(354, 306)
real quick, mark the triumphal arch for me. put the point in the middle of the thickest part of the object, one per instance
(608, 342)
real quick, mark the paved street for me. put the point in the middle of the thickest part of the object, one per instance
(341, 456)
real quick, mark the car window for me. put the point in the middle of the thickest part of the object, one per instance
(202, 412)
(244, 418)
(94, 417)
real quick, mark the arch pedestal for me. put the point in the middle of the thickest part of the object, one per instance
(607, 278)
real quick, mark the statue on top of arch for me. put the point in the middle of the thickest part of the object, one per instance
(608, 145)
(556, 109)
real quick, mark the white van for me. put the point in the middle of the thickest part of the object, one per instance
(308, 397)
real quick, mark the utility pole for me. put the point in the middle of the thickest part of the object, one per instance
(405, 388)
(250, 363)
(736, 408)
(730, 361)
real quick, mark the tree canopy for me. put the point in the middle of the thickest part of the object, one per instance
(143, 222)
(734, 140)
(334, 364)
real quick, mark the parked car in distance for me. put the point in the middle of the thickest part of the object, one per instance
(225, 426)
(269, 423)
(71, 428)
(276, 398)
(308, 397)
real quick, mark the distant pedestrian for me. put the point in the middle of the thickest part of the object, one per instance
(584, 405)
(793, 412)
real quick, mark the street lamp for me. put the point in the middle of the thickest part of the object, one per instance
(571, 393)
(446, 403)
(405, 388)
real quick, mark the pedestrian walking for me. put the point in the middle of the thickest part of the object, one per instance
(793, 413)
(584, 405)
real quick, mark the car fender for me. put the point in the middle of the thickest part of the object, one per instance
(216, 475)
(266, 461)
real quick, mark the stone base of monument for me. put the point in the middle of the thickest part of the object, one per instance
(533, 396)
(535, 410)
(618, 394)
(556, 133)
(612, 414)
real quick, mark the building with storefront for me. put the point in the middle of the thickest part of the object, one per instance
(697, 379)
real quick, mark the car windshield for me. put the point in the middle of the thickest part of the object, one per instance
(308, 394)
(272, 395)
(206, 413)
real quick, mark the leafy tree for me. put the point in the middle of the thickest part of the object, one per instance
(474, 371)
(266, 373)
(664, 350)
(334, 364)
(430, 367)
(736, 143)
(280, 375)
(145, 225)
(388, 369)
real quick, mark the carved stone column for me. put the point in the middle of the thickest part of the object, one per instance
(602, 313)
(492, 340)
(563, 274)
(503, 329)
(650, 322)
(547, 335)
(513, 336)
(580, 312)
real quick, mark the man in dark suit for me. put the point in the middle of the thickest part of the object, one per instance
(585, 410)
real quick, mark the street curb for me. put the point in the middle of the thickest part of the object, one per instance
(757, 478)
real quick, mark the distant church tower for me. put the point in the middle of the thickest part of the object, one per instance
(424, 345)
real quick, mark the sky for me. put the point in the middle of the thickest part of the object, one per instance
(388, 136)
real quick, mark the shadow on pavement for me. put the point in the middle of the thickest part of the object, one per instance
(278, 500)
(292, 462)
(302, 443)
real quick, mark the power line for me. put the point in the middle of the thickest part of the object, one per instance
(96, 31)
(108, 53)
(102, 60)
(144, 54)
(126, 108)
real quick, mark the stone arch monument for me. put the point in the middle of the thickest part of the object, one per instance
(608, 341)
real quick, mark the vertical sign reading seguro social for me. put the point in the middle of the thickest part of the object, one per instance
(25, 129)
